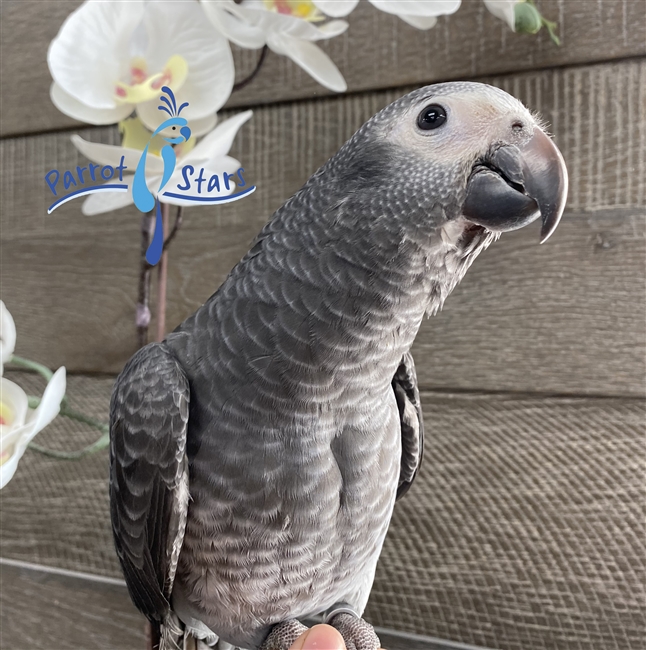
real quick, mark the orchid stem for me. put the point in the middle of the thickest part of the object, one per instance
(100, 444)
(142, 317)
(65, 411)
(176, 226)
(34, 366)
(162, 281)
(241, 84)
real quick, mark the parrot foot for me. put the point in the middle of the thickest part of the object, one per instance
(357, 633)
(283, 635)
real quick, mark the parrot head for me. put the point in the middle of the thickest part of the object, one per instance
(177, 130)
(469, 152)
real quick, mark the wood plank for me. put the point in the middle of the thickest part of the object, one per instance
(45, 608)
(564, 317)
(523, 530)
(378, 51)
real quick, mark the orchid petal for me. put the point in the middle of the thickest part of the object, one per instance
(503, 9)
(272, 23)
(311, 58)
(417, 8)
(14, 409)
(35, 421)
(202, 126)
(419, 22)
(91, 52)
(174, 72)
(332, 29)
(67, 104)
(135, 135)
(7, 335)
(15, 400)
(9, 466)
(107, 154)
(336, 8)
(180, 28)
(149, 114)
(102, 202)
(50, 404)
(231, 26)
(217, 143)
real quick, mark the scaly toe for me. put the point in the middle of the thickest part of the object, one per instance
(283, 635)
(357, 634)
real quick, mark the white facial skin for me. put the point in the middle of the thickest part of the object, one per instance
(475, 122)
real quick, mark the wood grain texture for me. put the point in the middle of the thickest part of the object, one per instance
(571, 311)
(523, 530)
(40, 610)
(52, 610)
(378, 51)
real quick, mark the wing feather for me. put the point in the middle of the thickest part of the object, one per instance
(412, 422)
(149, 475)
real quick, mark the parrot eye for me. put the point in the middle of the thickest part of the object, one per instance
(431, 117)
(174, 128)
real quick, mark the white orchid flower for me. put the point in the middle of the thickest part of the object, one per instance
(287, 27)
(112, 57)
(7, 336)
(18, 423)
(503, 9)
(210, 153)
(421, 14)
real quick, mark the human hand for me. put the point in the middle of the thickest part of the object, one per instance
(319, 637)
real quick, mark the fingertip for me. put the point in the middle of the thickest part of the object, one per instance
(320, 637)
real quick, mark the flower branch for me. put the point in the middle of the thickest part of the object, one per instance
(239, 85)
(65, 411)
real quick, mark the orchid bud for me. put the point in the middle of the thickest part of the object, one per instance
(527, 18)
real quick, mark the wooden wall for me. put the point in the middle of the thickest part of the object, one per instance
(566, 319)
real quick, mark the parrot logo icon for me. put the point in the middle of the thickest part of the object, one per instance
(178, 131)
(200, 184)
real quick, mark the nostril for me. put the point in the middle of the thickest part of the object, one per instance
(517, 126)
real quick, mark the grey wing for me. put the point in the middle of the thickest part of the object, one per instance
(149, 475)
(412, 422)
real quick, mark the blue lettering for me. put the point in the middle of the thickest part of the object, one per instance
(200, 180)
(242, 180)
(93, 168)
(79, 172)
(185, 173)
(121, 167)
(52, 183)
(110, 173)
(68, 180)
(214, 182)
(227, 178)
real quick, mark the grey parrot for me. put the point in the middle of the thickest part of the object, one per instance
(258, 451)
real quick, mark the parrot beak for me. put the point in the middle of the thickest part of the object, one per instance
(513, 186)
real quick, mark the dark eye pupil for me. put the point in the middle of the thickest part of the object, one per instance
(174, 128)
(431, 117)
